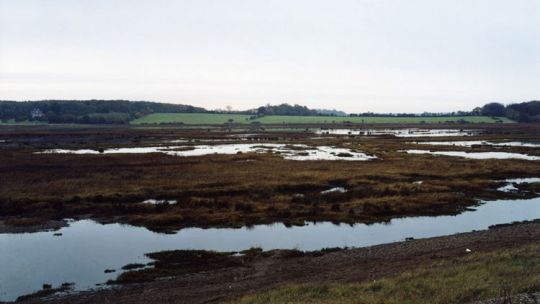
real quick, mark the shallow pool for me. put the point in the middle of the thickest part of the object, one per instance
(477, 155)
(86, 248)
(470, 143)
(292, 152)
(413, 132)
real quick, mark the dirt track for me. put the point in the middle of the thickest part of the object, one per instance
(283, 267)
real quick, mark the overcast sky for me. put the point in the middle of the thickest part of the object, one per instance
(362, 55)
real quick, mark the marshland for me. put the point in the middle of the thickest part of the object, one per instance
(97, 199)
(306, 151)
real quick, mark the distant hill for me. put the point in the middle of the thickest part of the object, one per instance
(86, 111)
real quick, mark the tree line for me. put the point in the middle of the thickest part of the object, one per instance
(86, 111)
(286, 109)
(123, 111)
(520, 112)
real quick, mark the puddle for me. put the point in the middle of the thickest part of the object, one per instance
(293, 152)
(245, 135)
(476, 155)
(137, 150)
(327, 153)
(336, 189)
(159, 202)
(510, 186)
(86, 248)
(208, 140)
(179, 141)
(470, 143)
(201, 150)
(401, 132)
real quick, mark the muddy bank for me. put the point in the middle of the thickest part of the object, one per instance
(24, 225)
(266, 270)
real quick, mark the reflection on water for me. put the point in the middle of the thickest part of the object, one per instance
(85, 248)
(477, 155)
(293, 152)
(413, 132)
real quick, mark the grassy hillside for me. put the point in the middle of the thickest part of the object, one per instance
(212, 119)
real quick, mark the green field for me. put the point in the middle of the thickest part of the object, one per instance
(22, 123)
(216, 119)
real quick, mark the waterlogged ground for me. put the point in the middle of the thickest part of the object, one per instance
(414, 132)
(471, 143)
(81, 252)
(180, 190)
(477, 155)
(292, 152)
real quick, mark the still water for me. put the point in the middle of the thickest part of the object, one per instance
(470, 143)
(477, 155)
(86, 248)
(412, 132)
(292, 152)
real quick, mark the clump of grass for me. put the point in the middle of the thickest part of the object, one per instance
(133, 266)
(46, 291)
(252, 251)
(169, 264)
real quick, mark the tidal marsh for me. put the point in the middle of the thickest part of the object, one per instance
(243, 189)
